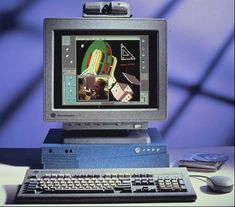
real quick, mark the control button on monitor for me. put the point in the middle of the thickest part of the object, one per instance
(137, 126)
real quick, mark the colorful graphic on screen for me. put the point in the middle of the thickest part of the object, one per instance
(105, 70)
(115, 61)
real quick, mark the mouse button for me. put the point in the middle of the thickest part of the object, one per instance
(221, 180)
(209, 183)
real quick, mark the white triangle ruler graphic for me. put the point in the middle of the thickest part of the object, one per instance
(126, 54)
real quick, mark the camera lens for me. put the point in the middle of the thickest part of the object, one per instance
(106, 9)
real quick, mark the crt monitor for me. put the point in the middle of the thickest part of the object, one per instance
(103, 73)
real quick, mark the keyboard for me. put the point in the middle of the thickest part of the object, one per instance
(106, 185)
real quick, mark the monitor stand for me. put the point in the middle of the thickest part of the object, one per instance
(106, 136)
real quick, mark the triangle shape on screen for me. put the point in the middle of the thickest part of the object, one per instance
(126, 54)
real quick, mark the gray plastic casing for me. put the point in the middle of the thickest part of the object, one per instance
(128, 115)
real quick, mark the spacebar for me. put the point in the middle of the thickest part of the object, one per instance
(78, 191)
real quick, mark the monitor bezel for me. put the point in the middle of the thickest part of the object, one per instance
(104, 115)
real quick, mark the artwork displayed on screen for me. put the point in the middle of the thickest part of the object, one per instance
(100, 63)
(107, 70)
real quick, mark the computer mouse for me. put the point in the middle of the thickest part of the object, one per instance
(3, 195)
(220, 184)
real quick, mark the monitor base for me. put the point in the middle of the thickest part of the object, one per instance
(105, 136)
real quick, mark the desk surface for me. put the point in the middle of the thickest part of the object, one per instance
(15, 162)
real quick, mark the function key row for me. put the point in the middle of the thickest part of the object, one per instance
(121, 175)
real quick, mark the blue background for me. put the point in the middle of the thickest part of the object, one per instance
(200, 69)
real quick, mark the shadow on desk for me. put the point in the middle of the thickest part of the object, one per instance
(11, 191)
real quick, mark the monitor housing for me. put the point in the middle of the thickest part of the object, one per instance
(125, 57)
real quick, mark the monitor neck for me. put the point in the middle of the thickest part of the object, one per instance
(105, 125)
(105, 133)
(106, 137)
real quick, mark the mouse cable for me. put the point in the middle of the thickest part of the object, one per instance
(199, 176)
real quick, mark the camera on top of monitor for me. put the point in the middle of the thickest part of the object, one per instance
(106, 9)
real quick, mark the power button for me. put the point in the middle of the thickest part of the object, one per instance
(137, 150)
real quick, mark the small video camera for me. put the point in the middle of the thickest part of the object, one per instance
(106, 9)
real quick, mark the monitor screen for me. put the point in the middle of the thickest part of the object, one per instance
(105, 70)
